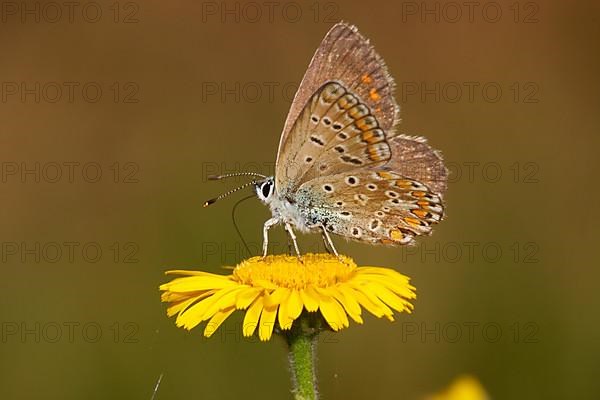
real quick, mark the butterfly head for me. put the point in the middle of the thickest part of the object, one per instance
(265, 189)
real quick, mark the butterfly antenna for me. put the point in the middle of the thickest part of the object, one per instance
(219, 177)
(211, 201)
(237, 229)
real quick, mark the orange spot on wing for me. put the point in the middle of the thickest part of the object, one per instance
(412, 221)
(366, 79)
(419, 194)
(370, 138)
(374, 95)
(374, 153)
(420, 213)
(396, 235)
(385, 175)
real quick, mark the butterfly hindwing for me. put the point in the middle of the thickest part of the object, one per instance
(376, 206)
(413, 157)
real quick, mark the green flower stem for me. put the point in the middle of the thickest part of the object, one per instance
(301, 341)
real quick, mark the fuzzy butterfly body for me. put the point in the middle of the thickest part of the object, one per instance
(340, 167)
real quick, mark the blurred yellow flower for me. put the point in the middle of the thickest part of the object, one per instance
(464, 387)
(278, 288)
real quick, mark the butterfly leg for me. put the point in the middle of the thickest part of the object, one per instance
(329, 242)
(326, 244)
(288, 228)
(268, 224)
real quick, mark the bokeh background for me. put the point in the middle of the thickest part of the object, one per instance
(154, 96)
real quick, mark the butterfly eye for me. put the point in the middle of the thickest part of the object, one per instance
(266, 189)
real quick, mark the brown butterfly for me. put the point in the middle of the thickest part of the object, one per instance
(341, 168)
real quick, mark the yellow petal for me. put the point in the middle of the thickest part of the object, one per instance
(382, 271)
(333, 313)
(188, 272)
(206, 308)
(400, 287)
(310, 299)
(282, 314)
(388, 297)
(179, 307)
(275, 298)
(225, 299)
(368, 304)
(364, 289)
(345, 297)
(252, 317)
(172, 297)
(195, 283)
(246, 297)
(295, 305)
(193, 315)
(267, 322)
(217, 320)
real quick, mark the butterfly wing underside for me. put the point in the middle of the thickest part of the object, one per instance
(390, 204)
(345, 57)
(339, 153)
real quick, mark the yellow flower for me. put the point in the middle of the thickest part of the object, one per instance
(463, 388)
(278, 288)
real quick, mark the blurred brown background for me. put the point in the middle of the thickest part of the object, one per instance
(154, 96)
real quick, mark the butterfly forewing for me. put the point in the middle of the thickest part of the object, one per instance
(347, 58)
(337, 133)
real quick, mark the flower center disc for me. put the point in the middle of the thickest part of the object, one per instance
(320, 270)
